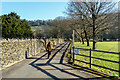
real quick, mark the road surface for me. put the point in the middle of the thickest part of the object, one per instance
(40, 67)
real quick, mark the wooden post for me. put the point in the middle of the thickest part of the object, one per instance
(28, 51)
(34, 43)
(73, 45)
(73, 55)
(73, 37)
(31, 48)
(70, 52)
(119, 64)
(90, 58)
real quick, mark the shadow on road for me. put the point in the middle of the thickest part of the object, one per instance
(61, 63)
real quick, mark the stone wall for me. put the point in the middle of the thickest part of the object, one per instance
(15, 50)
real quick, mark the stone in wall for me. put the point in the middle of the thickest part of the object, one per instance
(14, 50)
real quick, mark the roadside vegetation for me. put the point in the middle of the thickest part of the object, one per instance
(14, 27)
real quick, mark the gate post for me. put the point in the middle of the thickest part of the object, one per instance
(90, 58)
(119, 64)
(73, 55)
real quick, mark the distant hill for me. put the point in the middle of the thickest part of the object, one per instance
(34, 23)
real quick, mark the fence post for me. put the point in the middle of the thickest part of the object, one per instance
(70, 51)
(28, 50)
(119, 64)
(26, 56)
(90, 58)
(34, 47)
(73, 55)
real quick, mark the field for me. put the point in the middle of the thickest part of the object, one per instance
(104, 46)
(34, 28)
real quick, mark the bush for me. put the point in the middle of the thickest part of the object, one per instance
(14, 27)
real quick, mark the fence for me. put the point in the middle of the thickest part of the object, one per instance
(90, 57)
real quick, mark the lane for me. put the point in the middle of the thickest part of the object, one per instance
(58, 67)
(25, 70)
(55, 68)
(62, 71)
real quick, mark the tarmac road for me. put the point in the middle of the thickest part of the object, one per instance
(54, 68)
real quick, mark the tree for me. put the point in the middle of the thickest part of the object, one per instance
(25, 29)
(74, 25)
(39, 32)
(0, 27)
(94, 13)
(14, 27)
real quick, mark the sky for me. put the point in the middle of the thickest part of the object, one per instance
(35, 10)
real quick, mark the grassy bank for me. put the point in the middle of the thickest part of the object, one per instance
(104, 46)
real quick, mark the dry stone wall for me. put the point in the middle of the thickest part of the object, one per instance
(15, 50)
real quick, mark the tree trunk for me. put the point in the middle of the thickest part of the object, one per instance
(45, 43)
(86, 37)
(88, 42)
(94, 44)
(82, 38)
(94, 36)
(78, 35)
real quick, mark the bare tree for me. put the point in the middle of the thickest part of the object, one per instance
(74, 25)
(60, 28)
(95, 13)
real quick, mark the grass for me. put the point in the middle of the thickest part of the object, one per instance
(34, 28)
(104, 46)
